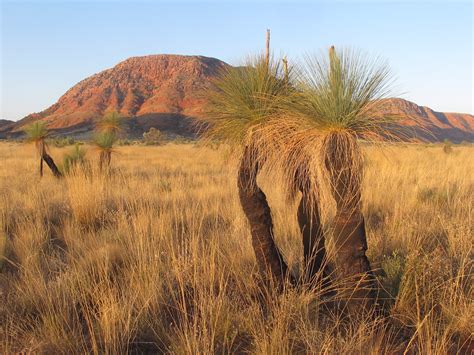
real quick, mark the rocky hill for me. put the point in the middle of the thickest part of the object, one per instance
(6, 124)
(437, 126)
(164, 91)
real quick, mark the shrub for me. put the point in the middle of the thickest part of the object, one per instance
(447, 146)
(122, 142)
(74, 158)
(394, 267)
(60, 142)
(153, 137)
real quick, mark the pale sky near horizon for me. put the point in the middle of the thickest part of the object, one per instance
(48, 46)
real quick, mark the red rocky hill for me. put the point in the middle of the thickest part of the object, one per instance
(163, 91)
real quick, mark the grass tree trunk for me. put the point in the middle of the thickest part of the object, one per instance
(41, 149)
(255, 206)
(104, 160)
(352, 265)
(314, 251)
(41, 166)
(52, 166)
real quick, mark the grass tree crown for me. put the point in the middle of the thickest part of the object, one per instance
(342, 91)
(335, 99)
(112, 122)
(104, 140)
(244, 98)
(36, 131)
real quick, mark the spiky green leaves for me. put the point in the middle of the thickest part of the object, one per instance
(342, 91)
(111, 122)
(105, 141)
(36, 131)
(107, 131)
(76, 156)
(243, 98)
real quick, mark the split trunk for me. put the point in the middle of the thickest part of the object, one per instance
(255, 206)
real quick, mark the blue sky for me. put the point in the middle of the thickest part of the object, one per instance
(48, 46)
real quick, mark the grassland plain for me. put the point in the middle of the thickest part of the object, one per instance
(157, 257)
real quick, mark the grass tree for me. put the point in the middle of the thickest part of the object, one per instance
(309, 217)
(104, 142)
(112, 122)
(107, 130)
(337, 102)
(241, 102)
(37, 133)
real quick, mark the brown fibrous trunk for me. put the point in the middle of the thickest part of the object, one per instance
(314, 250)
(350, 239)
(41, 166)
(104, 160)
(255, 206)
(52, 166)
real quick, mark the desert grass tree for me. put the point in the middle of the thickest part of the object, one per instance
(104, 143)
(242, 100)
(36, 133)
(111, 122)
(308, 213)
(337, 101)
(108, 128)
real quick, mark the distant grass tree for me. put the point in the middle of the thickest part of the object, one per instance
(107, 129)
(37, 133)
(112, 122)
(104, 142)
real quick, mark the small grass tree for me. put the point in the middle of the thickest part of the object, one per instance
(108, 129)
(37, 133)
(447, 146)
(104, 142)
(112, 122)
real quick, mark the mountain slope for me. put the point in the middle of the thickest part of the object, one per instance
(6, 124)
(156, 90)
(436, 125)
(164, 91)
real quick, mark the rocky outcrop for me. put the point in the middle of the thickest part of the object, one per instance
(156, 90)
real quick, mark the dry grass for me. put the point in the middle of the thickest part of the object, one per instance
(157, 257)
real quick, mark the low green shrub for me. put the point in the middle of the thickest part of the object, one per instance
(75, 157)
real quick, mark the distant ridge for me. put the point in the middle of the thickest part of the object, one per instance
(6, 124)
(163, 91)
